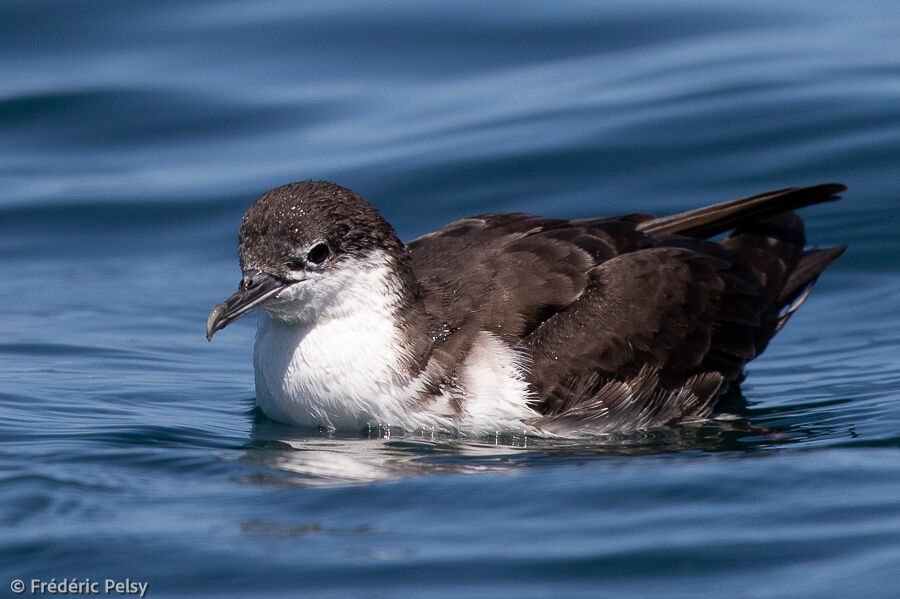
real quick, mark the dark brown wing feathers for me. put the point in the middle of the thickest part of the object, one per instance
(709, 221)
(629, 322)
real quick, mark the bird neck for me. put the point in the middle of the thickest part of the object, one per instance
(357, 362)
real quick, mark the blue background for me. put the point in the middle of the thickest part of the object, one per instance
(133, 135)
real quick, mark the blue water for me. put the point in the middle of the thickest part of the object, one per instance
(133, 135)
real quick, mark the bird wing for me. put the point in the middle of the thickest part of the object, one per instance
(631, 321)
(653, 339)
(508, 273)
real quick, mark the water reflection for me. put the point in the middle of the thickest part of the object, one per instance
(310, 457)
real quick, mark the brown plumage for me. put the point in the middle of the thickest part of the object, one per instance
(635, 321)
(591, 325)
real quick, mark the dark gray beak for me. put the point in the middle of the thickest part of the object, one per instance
(255, 288)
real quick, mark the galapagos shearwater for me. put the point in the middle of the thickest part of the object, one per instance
(513, 322)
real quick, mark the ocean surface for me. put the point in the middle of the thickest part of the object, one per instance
(133, 136)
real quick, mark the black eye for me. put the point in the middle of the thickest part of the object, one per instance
(318, 253)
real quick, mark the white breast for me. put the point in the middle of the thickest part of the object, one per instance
(343, 369)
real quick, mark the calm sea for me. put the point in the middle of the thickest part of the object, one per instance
(133, 135)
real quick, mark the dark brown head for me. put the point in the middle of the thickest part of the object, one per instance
(310, 225)
(299, 245)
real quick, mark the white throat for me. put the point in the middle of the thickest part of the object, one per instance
(335, 361)
(344, 367)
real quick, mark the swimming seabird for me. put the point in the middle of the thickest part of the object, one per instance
(513, 322)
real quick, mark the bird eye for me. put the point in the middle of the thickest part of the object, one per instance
(318, 253)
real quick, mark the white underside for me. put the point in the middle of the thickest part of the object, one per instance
(342, 368)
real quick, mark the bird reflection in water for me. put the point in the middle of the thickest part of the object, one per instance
(314, 457)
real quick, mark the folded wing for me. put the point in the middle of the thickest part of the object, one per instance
(626, 320)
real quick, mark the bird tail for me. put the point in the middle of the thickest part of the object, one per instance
(708, 221)
(801, 281)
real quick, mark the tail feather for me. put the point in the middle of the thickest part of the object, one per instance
(708, 221)
(801, 281)
(807, 271)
